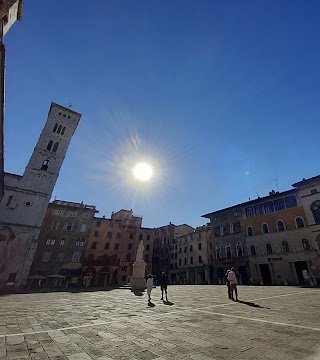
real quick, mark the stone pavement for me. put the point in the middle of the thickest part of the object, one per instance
(200, 324)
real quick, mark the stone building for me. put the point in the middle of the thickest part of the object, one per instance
(112, 249)
(165, 237)
(279, 239)
(228, 244)
(190, 257)
(62, 242)
(26, 198)
(10, 11)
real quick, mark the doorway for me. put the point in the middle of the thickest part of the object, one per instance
(301, 267)
(265, 274)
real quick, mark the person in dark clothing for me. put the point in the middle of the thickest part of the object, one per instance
(228, 283)
(163, 285)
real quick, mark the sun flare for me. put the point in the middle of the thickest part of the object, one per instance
(142, 171)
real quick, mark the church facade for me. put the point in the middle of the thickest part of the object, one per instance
(26, 197)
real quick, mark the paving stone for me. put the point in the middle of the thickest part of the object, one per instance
(202, 324)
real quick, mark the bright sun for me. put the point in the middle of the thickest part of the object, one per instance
(142, 171)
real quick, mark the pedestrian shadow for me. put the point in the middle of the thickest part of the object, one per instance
(250, 303)
(151, 304)
(138, 293)
(168, 303)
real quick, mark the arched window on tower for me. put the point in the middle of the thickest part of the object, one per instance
(49, 146)
(63, 130)
(59, 129)
(239, 249)
(45, 165)
(55, 147)
(55, 127)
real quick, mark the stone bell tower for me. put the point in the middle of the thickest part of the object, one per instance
(26, 197)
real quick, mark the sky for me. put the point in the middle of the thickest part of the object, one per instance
(221, 97)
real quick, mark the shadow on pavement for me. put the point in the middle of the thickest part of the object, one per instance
(250, 303)
(138, 293)
(151, 304)
(168, 303)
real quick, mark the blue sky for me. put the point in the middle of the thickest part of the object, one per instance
(222, 97)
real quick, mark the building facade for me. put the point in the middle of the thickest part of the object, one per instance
(228, 245)
(62, 242)
(270, 240)
(112, 249)
(26, 198)
(165, 238)
(190, 257)
(10, 11)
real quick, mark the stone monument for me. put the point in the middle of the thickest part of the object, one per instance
(138, 280)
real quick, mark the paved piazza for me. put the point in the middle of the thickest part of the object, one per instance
(201, 323)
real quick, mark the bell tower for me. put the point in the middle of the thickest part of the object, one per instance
(44, 166)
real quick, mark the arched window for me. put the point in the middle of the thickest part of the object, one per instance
(280, 225)
(63, 130)
(315, 208)
(49, 146)
(239, 249)
(299, 222)
(264, 228)
(269, 249)
(250, 231)
(45, 165)
(253, 251)
(55, 127)
(218, 252)
(285, 246)
(55, 147)
(59, 129)
(306, 244)
(228, 251)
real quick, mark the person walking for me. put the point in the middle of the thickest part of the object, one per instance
(164, 285)
(233, 283)
(149, 286)
(228, 283)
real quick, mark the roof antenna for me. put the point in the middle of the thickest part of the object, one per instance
(277, 185)
(70, 106)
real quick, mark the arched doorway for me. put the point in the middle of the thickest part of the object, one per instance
(220, 275)
(243, 275)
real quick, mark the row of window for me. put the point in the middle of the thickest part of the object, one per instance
(78, 242)
(118, 236)
(68, 226)
(271, 206)
(76, 256)
(285, 247)
(55, 146)
(234, 228)
(280, 225)
(73, 214)
(185, 262)
(228, 250)
(116, 246)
